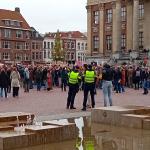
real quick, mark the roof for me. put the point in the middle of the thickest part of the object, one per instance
(13, 15)
(69, 34)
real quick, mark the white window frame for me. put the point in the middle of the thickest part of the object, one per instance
(6, 44)
(6, 56)
(7, 33)
(19, 34)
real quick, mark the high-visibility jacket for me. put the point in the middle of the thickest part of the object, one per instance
(73, 77)
(89, 77)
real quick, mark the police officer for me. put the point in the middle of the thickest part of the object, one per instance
(89, 85)
(74, 79)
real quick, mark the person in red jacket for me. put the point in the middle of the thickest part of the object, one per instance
(123, 79)
(49, 80)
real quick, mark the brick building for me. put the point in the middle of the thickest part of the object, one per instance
(119, 27)
(74, 44)
(15, 37)
(36, 46)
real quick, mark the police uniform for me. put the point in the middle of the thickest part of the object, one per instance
(89, 85)
(73, 88)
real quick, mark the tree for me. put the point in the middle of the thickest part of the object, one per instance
(58, 52)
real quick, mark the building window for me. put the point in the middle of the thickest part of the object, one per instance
(82, 46)
(109, 15)
(6, 56)
(109, 42)
(141, 40)
(96, 43)
(78, 46)
(37, 55)
(141, 11)
(44, 54)
(72, 56)
(48, 45)
(7, 22)
(26, 57)
(96, 17)
(19, 34)
(123, 14)
(33, 45)
(17, 23)
(52, 45)
(44, 45)
(11, 23)
(18, 57)
(86, 46)
(6, 44)
(7, 33)
(72, 45)
(27, 35)
(123, 41)
(26, 46)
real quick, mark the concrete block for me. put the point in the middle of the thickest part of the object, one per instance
(146, 124)
(110, 115)
(133, 120)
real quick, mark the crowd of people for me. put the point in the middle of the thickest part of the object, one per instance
(88, 78)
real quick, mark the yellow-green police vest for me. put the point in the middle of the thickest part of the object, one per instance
(89, 77)
(73, 77)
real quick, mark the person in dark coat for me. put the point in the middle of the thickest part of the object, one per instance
(4, 82)
(9, 81)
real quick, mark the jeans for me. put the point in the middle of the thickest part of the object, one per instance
(122, 88)
(5, 91)
(117, 86)
(63, 84)
(26, 85)
(1, 93)
(89, 88)
(145, 86)
(149, 84)
(38, 85)
(107, 92)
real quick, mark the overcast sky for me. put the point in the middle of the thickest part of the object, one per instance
(50, 15)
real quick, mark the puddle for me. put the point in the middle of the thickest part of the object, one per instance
(99, 137)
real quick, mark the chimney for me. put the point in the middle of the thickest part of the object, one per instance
(17, 9)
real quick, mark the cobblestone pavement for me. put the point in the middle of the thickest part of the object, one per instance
(54, 102)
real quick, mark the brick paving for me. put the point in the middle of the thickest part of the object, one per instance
(54, 102)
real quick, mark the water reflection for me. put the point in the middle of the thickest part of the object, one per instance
(118, 138)
(100, 137)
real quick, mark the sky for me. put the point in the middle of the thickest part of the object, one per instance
(50, 15)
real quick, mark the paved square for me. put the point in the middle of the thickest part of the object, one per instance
(54, 102)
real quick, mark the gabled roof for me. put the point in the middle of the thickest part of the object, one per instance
(13, 15)
(70, 34)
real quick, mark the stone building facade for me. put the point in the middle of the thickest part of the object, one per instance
(118, 27)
